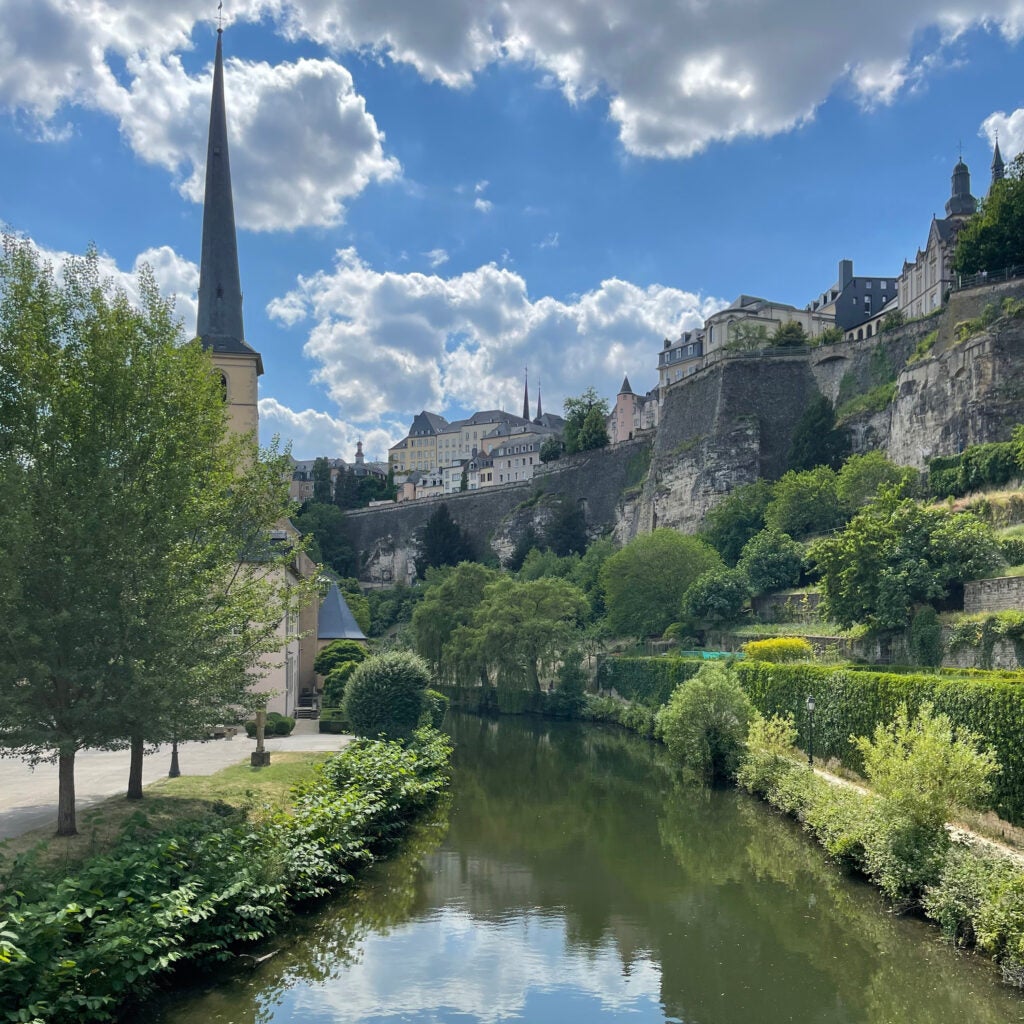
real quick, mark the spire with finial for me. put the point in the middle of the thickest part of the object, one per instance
(961, 203)
(540, 411)
(526, 393)
(219, 321)
(998, 167)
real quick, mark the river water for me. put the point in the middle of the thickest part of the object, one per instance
(570, 879)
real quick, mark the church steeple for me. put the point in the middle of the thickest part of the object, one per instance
(540, 411)
(526, 394)
(961, 203)
(219, 321)
(998, 167)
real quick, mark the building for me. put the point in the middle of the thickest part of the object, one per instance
(678, 359)
(220, 328)
(853, 301)
(751, 316)
(301, 486)
(418, 449)
(631, 414)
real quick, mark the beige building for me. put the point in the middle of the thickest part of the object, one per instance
(749, 313)
(417, 451)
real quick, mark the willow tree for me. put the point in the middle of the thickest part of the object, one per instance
(127, 614)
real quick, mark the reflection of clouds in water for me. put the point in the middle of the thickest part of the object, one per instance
(459, 964)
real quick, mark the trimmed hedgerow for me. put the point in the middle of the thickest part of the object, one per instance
(650, 681)
(779, 649)
(976, 468)
(78, 948)
(852, 703)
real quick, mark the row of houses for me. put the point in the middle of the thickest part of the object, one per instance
(855, 305)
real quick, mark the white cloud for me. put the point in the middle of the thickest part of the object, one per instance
(387, 344)
(436, 258)
(483, 205)
(313, 433)
(1010, 130)
(551, 242)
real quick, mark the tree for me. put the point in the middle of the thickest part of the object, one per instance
(861, 477)
(528, 541)
(566, 532)
(339, 652)
(584, 427)
(730, 524)
(805, 503)
(443, 542)
(326, 525)
(716, 596)
(346, 490)
(385, 695)
(551, 449)
(817, 441)
(790, 334)
(451, 599)
(926, 638)
(644, 582)
(771, 561)
(464, 479)
(521, 630)
(993, 239)
(705, 723)
(897, 553)
(126, 504)
(746, 335)
(323, 489)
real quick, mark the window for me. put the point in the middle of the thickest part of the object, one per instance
(867, 284)
(885, 285)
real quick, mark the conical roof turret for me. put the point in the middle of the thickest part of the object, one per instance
(625, 389)
(998, 167)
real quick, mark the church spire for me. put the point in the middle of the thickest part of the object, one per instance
(526, 393)
(219, 321)
(540, 411)
(998, 167)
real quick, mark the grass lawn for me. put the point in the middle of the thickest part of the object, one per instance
(235, 790)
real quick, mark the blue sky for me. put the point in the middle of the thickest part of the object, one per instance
(433, 194)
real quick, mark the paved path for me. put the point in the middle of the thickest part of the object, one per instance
(28, 797)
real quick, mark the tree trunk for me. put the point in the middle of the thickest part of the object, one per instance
(66, 794)
(135, 769)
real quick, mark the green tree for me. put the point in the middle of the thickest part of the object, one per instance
(528, 541)
(716, 596)
(926, 638)
(339, 652)
(584, 422)
(385, 695)
(464, 479)
(451, 599)
(861, 477)
(443, 542)
(586, 573)
(540, 563)
(771, 561)
(326, 525)
(817, 441)
(730, 524)
(897, 553)
(805, 503)
(551, 450)
(705, 723)
(521, 630)
(644, 582)
(745, 336)
(993, 239)
(346, 490)
(126, 504)
(323, 488)
(566, 532)
(790, 334)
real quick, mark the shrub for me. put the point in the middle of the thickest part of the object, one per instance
(384, 695)
(334, 683)
(333, 720)
(926, 638)
(283, 725)
(779, 649)
(772, 561)
(435, 707)
(705, 723)
(716, 596)
(1012, 549)
(770, 743)
(648, 681)
(337, 653)
(978, 467)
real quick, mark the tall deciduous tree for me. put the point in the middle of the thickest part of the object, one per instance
(585, 422)
(729, 526)
(323, 490)
(993, 239)
(443, 542)
(126, 506)
(817, 441)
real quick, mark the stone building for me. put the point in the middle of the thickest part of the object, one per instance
(853, 301)
(631, 414)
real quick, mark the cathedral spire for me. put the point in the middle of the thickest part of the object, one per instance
(526, 393)
(540, 411)
(998, 167)
(219, 321)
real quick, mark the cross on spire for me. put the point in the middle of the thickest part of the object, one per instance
(220, 16)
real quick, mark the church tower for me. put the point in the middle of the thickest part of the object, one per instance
(998, 167)
(219, 323)
(961, 203)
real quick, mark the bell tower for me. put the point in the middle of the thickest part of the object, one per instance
(219, 321)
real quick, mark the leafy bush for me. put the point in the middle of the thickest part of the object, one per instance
(770, 743)
(772, 561)
(977, 468)
(1012, 549)
(716, 596)
(384, 695)
(435, 707)
(649, 681)
(338, 652)
(779, 649)
(704, 724)
(926, 638)
(333, 720)
(334, 683)
(877, 399)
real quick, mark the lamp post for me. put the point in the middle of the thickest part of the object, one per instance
(810, 730)
(175, 770)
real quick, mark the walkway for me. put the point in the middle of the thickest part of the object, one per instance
(28, 797)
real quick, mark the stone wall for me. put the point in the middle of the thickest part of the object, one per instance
(601, 483)
(1005, 593)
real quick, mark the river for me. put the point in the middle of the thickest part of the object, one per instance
(570, 879)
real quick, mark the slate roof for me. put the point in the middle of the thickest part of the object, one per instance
(336, 620)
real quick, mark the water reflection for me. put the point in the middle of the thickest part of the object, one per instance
(578, 882)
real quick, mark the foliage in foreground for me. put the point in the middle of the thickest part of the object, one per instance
(77, 948)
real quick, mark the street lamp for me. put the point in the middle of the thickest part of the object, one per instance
(810, 730)
(175, 770)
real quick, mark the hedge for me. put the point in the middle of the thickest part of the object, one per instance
(976, 468)
(648, 681)
(333, 720)
(852, 702)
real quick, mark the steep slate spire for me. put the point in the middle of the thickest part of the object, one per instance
(998, 167)
(526, 394)
(219, 322)
(539, 410)
(625, 389)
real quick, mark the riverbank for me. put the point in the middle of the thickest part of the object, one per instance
(193, 877)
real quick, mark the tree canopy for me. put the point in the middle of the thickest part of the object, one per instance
(805, 503)
(126, 505)
(645, 581)
(330, 543)
(817, 441)
(443, 542)
(585, 422)
(993, 239)
(730, 524)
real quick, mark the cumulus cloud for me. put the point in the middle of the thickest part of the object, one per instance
(436, 258)
(483, 205)
(1009, 129)
(313, 433)
(387, 344)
